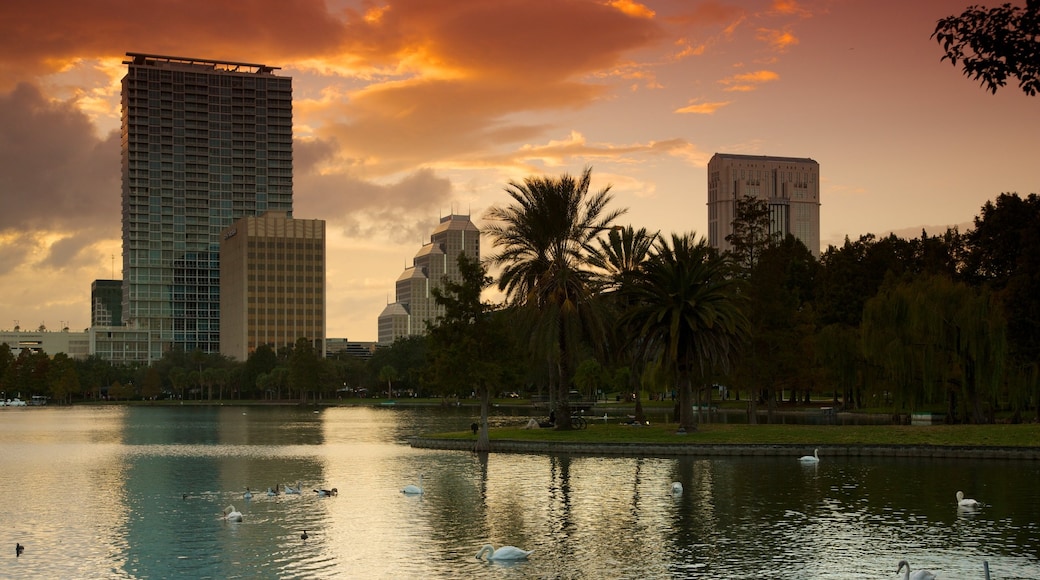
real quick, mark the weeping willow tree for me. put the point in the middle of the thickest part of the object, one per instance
(838, 352)
(935, 338)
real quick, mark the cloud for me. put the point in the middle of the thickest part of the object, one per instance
(46, 36)
(778, 40)
(55, 173)
(702, 108)
(745, 82)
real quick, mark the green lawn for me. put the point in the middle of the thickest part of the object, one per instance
(1026, 435)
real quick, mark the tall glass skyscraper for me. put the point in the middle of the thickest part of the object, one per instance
(204, 143)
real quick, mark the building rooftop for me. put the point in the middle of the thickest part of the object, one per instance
(764, 158)
(141, 59)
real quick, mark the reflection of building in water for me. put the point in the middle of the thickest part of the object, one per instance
(191, 462)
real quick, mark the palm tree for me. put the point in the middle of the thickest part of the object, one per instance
(545, 238)
(621, 257)
(686, 313)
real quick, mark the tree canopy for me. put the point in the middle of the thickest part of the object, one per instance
(993, 44)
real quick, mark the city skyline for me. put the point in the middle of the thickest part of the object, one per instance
(406, 112)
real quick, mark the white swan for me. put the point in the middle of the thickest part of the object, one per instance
(814, 458)
(503, 553)
(413, 489)
(293, 490)
(677, 487)
(231, 514)
(966, 502)
(919, 575)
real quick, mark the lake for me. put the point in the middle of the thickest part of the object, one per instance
(137, 492)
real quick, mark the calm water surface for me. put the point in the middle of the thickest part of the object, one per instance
(138, 493)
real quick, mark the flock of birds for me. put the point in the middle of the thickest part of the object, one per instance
(904, 566)
(232, 514)
(503, 553)
(512, 553)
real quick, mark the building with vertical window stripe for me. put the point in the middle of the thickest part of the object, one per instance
(203, 143)
(272, 284)
(789, 185)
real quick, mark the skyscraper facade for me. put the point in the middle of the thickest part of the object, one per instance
(106, 303)
(203, 144)
(432, 264)
(789, 185)
(272, 284)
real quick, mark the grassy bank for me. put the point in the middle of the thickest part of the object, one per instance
(1027, 435)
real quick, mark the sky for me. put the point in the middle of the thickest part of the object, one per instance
(408, 110)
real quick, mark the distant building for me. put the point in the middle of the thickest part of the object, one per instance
(106, 303)
(204, 143)
(414, 305)
(790, 185)
(74, 344)
(342, 346)
(120, 344)
(272, 284)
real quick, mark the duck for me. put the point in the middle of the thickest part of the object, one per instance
(503, 553)
(326, 492)
(18, 549)
(413, 489)
(293, 490)
(967, 502)
(677, 488)
(231, 514)
(918, 575)
(272, 492)
(304, 535)
(814, 458)
(248, 495)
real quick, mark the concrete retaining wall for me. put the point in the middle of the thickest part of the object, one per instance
(704, 450)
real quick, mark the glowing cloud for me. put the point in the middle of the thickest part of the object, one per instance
(630, 8)
(780, 40)
(702, 108)
(746, 82)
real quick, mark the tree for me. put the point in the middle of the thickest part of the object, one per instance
(994, 44)
(621, 257)
(545, 239)
(781, 323)
(304, 368)
(687, 314)
(934, 337)
(389, 374)
(467, 344)
(151, 387)
(751, 232)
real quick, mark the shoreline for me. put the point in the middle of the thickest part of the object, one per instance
(730, 450)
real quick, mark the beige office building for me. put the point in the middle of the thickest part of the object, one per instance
(790, 185)
(272, 283)
(415, 306)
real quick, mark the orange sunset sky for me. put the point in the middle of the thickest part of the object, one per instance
(407, 110)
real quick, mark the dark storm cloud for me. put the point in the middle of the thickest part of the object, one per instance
(55, 173)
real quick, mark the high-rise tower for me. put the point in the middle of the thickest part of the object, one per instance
(789, 185)
(204, 143)
(435, 261)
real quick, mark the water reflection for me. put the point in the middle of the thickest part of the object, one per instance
(137, 493)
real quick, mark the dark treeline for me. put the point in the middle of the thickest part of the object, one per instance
(946, 322)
